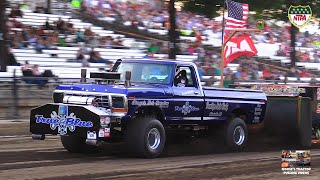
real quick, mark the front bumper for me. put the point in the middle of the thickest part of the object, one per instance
(67, 119)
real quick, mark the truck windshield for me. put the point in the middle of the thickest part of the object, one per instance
(146, 72)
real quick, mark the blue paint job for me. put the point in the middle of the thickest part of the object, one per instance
(183, 104)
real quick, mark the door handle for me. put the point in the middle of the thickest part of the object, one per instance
(196, 92)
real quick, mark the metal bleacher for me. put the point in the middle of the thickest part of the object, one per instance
(61, 60)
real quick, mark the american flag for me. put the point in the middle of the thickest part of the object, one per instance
(237, 15)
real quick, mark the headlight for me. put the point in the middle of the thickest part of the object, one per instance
(57, 97)
(101, 101)
(105, 120)
(119, 104)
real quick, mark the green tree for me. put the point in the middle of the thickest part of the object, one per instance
(274, 9)
(208, 8)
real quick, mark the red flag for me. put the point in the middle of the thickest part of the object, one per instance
(238, 46)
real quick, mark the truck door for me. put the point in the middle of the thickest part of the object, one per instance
(188, 96)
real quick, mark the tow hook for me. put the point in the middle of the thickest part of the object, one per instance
(38, 136)
(93, 142)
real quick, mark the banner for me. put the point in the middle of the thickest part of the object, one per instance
(238, 46)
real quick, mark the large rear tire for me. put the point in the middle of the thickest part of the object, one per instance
(76, 144)
(145, 137)
(236, 134)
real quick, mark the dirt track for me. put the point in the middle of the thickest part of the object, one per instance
(23, 158)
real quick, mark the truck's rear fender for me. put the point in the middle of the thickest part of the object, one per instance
(241, 113)
(251, 113)
(61, 119)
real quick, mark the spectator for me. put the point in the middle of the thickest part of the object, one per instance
(266, 73)
(42, 78)
(11, 58)
(26, 67)
(80, 36)
(117, 43)
(88, 33)
(229, 79)
(305, 57)
(303, 73)
(293, 72)
(41, 45)
(191, 49)
(47, 25)
(95, 57)
(16, 12)
(237, 75)
(201, 53)
(80, 55)
(27, 72)
(60, 25)
(154, 48)
(313, 81)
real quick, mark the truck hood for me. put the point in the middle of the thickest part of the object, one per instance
(136, 90)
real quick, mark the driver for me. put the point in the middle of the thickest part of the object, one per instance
(181, 79)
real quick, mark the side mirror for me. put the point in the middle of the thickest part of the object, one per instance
(128, 79)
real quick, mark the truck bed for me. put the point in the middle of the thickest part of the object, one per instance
(212, 92)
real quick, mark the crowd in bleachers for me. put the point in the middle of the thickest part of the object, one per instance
(57, 33)
(86, 46)
(146, 15)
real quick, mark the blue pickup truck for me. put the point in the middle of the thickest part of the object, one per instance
(141, 102)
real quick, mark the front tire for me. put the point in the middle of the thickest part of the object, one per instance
(145, 137)
(236, 134)
(76, 144)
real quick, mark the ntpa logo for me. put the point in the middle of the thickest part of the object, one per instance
(299, 16)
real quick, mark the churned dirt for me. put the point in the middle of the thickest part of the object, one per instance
(23, 158)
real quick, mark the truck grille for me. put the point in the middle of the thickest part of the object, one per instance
(102, 101)
(98, 101)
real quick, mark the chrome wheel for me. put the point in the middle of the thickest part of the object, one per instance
(154, 138)
(239, 135)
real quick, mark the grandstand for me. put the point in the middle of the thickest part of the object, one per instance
(62, 60)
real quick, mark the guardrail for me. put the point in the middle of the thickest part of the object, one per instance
(18, 95)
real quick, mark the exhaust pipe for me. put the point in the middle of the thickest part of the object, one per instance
(83, 75)
(128, 79)
(38, 136)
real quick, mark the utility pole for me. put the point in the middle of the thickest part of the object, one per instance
(173, 35)
(49, 6)
(3, 48)
(293, 31)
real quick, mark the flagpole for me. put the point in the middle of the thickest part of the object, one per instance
(222, 46)
(222, 58)
(222, 34)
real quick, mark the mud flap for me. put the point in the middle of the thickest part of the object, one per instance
(63, 120)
